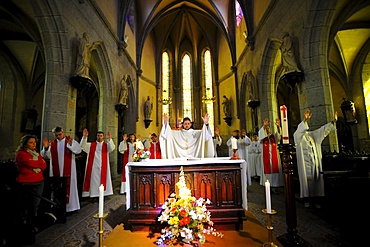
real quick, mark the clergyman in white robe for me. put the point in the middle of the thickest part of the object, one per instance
(270, 158)
(187, 142)
(73, 147)
(309, 156)
(127, 148)
(93, 180)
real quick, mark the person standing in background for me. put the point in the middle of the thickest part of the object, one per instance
(272, 169)
(127, 148)
(254, 157)
(244, 141)
(97, 170)
(217, 141)
(309, 159)
(30, 165)
(61, 152)
(154, 147)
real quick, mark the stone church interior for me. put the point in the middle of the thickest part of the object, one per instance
(119, 66)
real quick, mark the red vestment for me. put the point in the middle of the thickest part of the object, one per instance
(67, 166)
(155, 151)
(267, 142)
(90, 162)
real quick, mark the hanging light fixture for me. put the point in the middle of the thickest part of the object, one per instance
(208, 99)
(165, 101)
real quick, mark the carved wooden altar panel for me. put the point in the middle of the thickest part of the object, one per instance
(150, 187)
(204, 186)
(165, 185)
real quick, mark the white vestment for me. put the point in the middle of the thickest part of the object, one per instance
(242, 151)
(275, 179)
(122, 148)
(75, 148)
(254, 158)
(186, 143)
(217, 141)
(96, 168)
(309, 158)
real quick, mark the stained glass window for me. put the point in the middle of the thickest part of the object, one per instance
(366, 86)
(238, 13)
(208, 85)
(186, 87)
(165, 81)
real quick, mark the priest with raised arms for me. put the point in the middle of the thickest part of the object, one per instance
(187, 142)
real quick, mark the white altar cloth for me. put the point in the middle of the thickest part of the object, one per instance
(245, 176)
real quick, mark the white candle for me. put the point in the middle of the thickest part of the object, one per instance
(284, 123)
(234, 143)
(268, 197)
(101, 201)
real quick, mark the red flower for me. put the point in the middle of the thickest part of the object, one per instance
(185, 221)
(183, 212)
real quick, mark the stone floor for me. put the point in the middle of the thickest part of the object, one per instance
(81, 228)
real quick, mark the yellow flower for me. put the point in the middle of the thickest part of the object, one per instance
(174, 220)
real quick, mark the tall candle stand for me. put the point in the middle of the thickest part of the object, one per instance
(269, 228)
(101, 230)
(235, 155)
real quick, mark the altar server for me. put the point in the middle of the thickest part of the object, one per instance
(61, 152)
(187, 142)
(254, 157)
(217, 141)
(97, 164)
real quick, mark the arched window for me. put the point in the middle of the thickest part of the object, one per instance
(187, 87)
(208, 86)
(366, 87)
(238, 13)
(165, 82)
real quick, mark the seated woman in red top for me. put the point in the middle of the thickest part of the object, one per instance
(30, 165)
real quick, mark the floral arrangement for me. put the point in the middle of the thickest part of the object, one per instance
(140, 154)
(187, 218)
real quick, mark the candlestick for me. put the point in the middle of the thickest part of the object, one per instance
(234, 143)
(269, 228)
(284, 123)
(101, 229)
(101, 200)
(235, 155)
(268, 197)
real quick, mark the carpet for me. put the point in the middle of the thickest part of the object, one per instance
(253, 234)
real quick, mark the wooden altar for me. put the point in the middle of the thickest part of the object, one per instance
(222, 181)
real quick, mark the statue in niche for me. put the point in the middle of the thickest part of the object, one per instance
(287, 51)
(84, 56)
(123, 94)
(226, 106)
(148, 106)
(250, 86)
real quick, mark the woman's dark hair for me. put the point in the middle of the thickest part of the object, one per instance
(24, 140)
